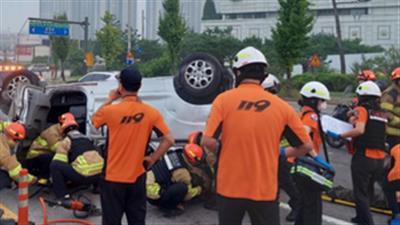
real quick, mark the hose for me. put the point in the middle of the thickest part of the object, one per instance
(62, 220)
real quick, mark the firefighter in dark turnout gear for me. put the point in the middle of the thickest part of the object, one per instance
(76, 161)
(369, 144)
(169, 183)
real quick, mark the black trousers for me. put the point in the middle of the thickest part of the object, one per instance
(287, 183)
(173, 195)
(364, 171)
(40, 165)
(231, 211)
(310, 206)
(120, 198)
(62, 172)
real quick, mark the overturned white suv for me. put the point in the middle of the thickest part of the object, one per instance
(184, 100)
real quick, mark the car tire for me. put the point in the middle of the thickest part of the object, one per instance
(200, 79)
(334, 143)
(10, 83)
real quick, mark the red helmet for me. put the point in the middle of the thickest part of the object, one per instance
(195, 137)
(16, 131)
(366, 75)
(66, 116)
(194, 153)
(67, 124)
(395, 74)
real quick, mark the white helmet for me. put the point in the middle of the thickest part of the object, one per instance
(315, 89)
(248, 55)
(270, 81)
(368, 88)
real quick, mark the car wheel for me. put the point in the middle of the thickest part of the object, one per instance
(200, 79)
(11, 82)
(334, 143)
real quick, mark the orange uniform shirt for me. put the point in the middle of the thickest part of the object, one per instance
(250, 123)
(394, 173)
(130, 124)
(362, 117)
(310, 119)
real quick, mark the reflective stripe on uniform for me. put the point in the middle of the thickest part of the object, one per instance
(14, 173)
(392, 131)
(84, 168)
(54, 147)
(312, 175)
(61, 157)
(194, 191)
(387, 106)
(153, 191)
(3, 124)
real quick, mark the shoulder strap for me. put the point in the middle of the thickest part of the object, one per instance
(322, 136)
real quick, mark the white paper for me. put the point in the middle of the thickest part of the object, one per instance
(335, 125)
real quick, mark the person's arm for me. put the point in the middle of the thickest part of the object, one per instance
(297, 136)
(213, 127)
(167, 140)
(100, 116)
(355, 132)
(165, 143)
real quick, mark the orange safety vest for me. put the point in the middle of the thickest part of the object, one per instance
(394, 173)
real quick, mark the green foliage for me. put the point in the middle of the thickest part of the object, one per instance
(290, 35)
(333, 81)
(156, 67)
(151, 49)
(217, 42)
(75, 60)
(172, 30)
(381, 64)
(60, 47)
(110, 41)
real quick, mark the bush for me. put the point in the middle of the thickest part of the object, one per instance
(333, 81)
(156, 67)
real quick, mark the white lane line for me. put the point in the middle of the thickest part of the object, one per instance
(328, 219)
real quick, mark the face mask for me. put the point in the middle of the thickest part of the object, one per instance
(323, 106)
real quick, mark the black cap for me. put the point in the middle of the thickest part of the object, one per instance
(130, 78)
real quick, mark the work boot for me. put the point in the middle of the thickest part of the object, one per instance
(291, 217)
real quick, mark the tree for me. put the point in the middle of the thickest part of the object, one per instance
(172, 30)
(290, 35)
(75, 59)
(60, 47)
(110, 40)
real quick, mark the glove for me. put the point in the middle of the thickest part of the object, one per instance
(333, 135)
(195, 137)
(282, 152)
(395, 221)
(323, 162)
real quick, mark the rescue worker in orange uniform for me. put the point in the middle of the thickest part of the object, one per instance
(76, 161)
(12, 133)
(314, 100)
(369, 143)
(394, 185)
(250, 123)
(43, 148)
(130, 124)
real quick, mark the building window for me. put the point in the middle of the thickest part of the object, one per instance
(383, 32)
(327, 30)
(342, 12)
(354, 32)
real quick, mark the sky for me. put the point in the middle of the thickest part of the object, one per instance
(13, 14)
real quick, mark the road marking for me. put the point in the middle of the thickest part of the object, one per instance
(328, 219)
(8, 214)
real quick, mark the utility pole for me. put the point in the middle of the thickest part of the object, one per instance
(339, 38)
(129, 56)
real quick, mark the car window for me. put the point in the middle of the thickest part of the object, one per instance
(95, 77)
